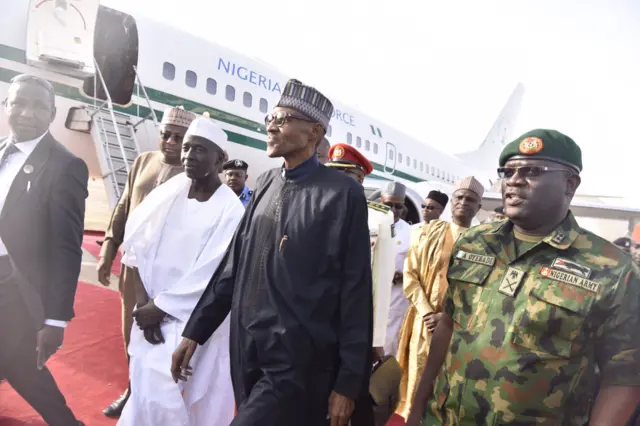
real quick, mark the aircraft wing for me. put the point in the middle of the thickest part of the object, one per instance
(580, 208)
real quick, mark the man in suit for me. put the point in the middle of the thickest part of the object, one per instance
(43, 188)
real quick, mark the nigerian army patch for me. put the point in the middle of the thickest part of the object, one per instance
(567, 278)
(511, 281)
(476, 258)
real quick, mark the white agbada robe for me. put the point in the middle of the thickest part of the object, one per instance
(382, 269)
(399, 303)
(177, 244)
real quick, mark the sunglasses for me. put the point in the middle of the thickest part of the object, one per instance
(281, 118)
(430, 208)
(527, 171)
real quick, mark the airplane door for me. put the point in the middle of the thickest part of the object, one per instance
(390, 158)
(60, 35)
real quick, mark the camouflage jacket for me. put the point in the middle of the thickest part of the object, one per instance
(535, 333)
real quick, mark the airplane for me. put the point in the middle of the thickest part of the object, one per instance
(116, 70)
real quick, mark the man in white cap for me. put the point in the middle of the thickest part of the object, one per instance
(175, 239)
(393, 195)
(149, 170)
(425, 283)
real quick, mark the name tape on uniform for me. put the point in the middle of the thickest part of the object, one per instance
(476, 258)
(567, 278)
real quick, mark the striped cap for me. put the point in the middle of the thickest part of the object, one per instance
(308, 101)
(177, 116)
(470, 183)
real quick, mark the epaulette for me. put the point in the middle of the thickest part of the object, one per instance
(378, 206)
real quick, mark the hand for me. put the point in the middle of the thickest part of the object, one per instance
(180, 368)
(104, 271)
(148, 315)
(49, 340)
(378, 354)
(340, 409)
(432, 319)
(153, 334)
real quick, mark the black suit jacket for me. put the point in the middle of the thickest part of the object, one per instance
(42, 229)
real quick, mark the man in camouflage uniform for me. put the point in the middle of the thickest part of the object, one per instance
(541, 323)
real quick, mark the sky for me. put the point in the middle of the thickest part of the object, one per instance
(440, 71)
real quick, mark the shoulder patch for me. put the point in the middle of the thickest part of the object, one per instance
(378, 206)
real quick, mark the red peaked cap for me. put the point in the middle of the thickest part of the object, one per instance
(343, 155)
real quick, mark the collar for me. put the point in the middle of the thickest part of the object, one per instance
(303, 170)
(245, 192)
(27, 147)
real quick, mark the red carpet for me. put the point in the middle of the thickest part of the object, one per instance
(89, 243)
(90, 368)
(396, 421)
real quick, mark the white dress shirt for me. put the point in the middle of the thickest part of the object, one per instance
(8, 172)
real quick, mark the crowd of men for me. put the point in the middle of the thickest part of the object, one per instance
(302, 302)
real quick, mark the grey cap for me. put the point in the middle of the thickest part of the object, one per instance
(394, 189)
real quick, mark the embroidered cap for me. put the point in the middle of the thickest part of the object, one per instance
(394, 189)
(209, 130)
(177, 117)
(439, 197)
(470, 183)
(307, 101)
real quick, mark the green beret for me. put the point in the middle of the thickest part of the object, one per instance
(544, 144)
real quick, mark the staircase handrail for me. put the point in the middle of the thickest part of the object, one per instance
(113, 116)
(146, 96)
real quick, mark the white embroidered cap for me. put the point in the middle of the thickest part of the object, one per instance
(209, 130)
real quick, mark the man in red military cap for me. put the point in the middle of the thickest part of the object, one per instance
(351, 162)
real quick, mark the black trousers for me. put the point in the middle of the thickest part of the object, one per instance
(18, 358)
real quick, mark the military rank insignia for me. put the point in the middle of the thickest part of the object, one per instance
(511, 281)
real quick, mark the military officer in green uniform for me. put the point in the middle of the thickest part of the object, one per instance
(541, 322)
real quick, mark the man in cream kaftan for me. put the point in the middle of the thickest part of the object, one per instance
(176, 242)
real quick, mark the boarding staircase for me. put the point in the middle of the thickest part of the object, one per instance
(114, 134)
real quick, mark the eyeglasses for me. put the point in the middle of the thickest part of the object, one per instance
(281, 117)
(166, 135)
(397, 206)
(527, 171)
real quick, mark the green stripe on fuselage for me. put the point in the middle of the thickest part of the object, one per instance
(70, 92)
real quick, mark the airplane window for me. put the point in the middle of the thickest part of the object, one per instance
(367, 145)
(191, 79)
(400, 157)
(415, 164)
(169, 71)
(247, 99)
(349, 137)
(264, 105)
(408, 161)
(421, 166)
(358, 142)
(230, 93)
(375, 148)
(212, 86)
(390, 155)
(329, 130)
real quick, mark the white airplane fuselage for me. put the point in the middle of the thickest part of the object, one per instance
(179, 69)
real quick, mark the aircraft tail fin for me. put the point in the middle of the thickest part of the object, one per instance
(486, 156)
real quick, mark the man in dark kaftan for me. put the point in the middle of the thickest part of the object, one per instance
(297, 280)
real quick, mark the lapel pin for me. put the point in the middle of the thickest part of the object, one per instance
(28, 169)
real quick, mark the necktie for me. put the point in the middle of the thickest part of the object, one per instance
(9, 149)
